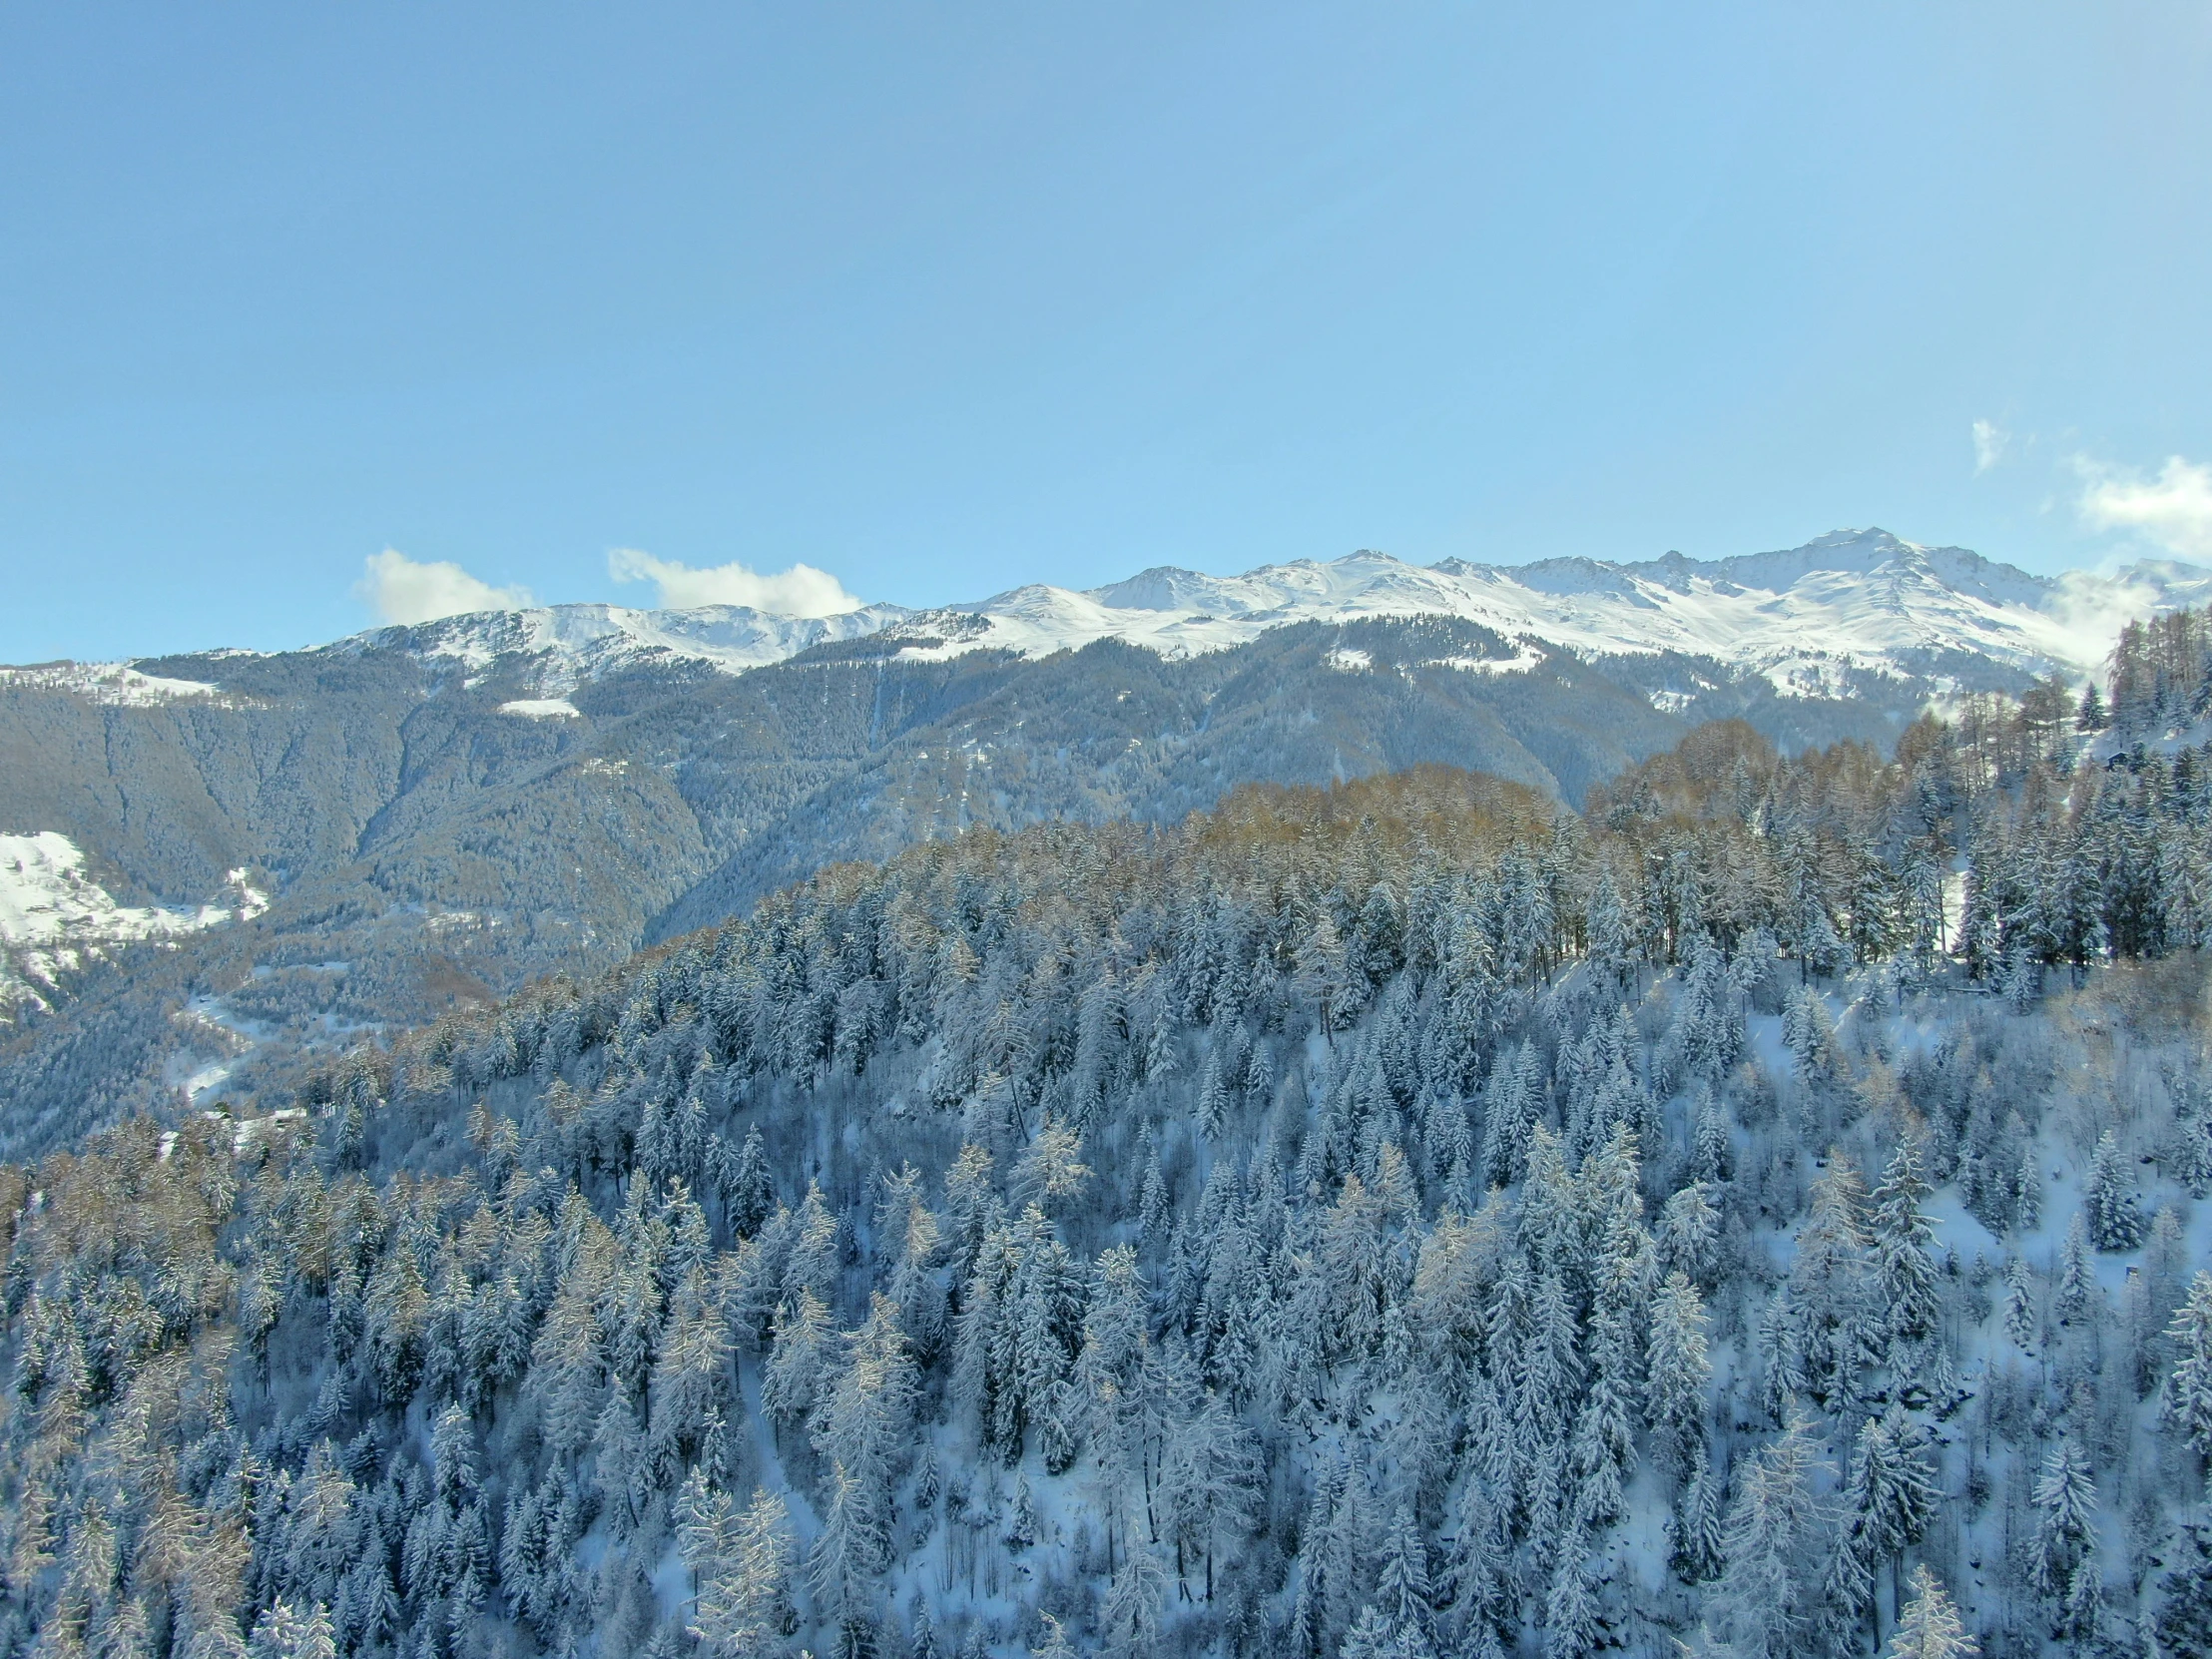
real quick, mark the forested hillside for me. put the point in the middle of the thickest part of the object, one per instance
(1762, 1212)
(438, 814)
(423, 846)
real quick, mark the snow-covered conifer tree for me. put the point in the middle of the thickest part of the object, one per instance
(1931, 1628)
(1904, 1261)
(2115, 1219)
(1775, 1542)
(2077, 1277)
(1677, 1372)
(2187, 1405)
(2020, 1305)
(2066, 1573)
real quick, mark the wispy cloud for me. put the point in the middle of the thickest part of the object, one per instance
(399, 589)
(2173, 510)
(798, 591)
(1989, 443)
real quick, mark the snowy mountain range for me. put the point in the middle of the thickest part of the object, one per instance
(1804, 619)
(200, 849)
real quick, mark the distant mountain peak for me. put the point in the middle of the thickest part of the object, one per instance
(1858, 599)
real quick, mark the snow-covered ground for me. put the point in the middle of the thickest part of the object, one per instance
(54, 916)
(114, 684)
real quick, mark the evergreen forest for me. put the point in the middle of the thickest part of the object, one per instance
(1760, 1214)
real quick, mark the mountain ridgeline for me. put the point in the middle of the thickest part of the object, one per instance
(357, 838)
(425, 848)
(1404, 1217)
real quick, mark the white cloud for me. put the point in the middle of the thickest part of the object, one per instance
(1990, 442)
(2173, 509)
(401, 590)
(798, 591)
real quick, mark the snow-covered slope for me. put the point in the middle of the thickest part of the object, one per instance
(113, 685)
(1851, 600)
(582, 641)
(1806, 618)
(54, 916)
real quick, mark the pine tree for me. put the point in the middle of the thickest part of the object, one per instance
(1833, 1335)
(2089, 715)
(861, 1425)
(1607, 930)
(1021, 1518)
(1372, 1636)
(798, 1359)
(1770, 1591)
(1401, 1587)
(2184, 1618)
(2027, 1191)
(1130, 1620)
(748, 1196)
(847, 1561)
(1208, 1483)
(741, 1562)
(1809, 1034)
(1510, 1110)
(1714, 1153)
(1571, 1606)
(1052, 1640)
(1688, 1229)
(1698, 1549)
(1213, 1099)
(923, 1642)
(1479, 1556)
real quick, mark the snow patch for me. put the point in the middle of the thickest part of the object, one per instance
(115, 685)
(54, 916)
(1519, 663)
(540, 707)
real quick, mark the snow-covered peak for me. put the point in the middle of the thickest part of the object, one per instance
(1806, 618)
(1850, 600)
(577, 643)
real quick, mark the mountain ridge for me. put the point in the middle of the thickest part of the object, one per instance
(442, 811)
(1861, 598)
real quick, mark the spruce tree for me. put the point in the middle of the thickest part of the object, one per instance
(2065, 1535)
(2115, 1220)
(2187, 1405)
(1678, 1372)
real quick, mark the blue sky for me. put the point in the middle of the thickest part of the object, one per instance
(941, 298)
